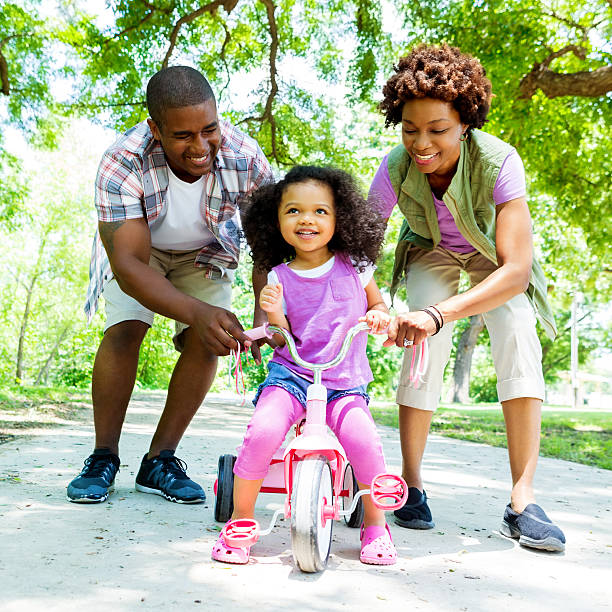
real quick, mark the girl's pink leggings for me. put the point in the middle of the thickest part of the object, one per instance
(277, 410)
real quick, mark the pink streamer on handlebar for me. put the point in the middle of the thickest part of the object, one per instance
(416, 375)
(238, 375)
(236, 365)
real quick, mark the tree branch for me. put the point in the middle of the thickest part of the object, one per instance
(211, 7)
(222, 56)
(4, 75)
(142, 103)
(130, 28)
(579, 177)
(4, 71)
(553, 84)
(579, 52)
(569, 22)
(267, 114)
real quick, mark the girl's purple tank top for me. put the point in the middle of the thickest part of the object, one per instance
(320, 312)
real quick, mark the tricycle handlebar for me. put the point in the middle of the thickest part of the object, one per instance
(268, 331)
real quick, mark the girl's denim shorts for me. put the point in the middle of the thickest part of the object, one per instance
(280, 376)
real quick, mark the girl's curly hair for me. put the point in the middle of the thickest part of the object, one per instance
(359, 231)
(440, 72)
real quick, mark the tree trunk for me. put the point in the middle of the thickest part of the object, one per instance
(463, 359)
(144, 368)
(22, 330)
(43, 373)
(26, 314)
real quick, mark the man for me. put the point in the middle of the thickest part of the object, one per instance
(166, 195)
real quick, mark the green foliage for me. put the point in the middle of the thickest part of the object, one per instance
(304, 84)
(30, 52)
(483, 381)
(13, 191)
(483, 385)
(385, 364)
(157, 355)
(289, 122)
(556, 355)
(75, 357)
(371, 42)
(43, 269)
(565, 142)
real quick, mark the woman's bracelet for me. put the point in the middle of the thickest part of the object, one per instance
(441, 317)
(435, 319)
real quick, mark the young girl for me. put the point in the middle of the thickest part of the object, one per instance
(316, 221)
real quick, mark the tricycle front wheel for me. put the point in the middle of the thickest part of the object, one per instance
(311, 533)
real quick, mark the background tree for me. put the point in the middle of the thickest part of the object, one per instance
(303, 78)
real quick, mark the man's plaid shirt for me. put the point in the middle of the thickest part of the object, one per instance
(132, 182)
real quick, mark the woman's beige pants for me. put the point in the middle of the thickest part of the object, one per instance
(432, 277)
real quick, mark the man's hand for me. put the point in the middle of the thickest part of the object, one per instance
(219, 329)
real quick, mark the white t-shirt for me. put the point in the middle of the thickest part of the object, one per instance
(365, 277)
(180, 225)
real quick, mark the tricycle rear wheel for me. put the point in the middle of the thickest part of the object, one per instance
(224, 501)
(350, 482)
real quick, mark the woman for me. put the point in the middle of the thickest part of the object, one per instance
(462, 193)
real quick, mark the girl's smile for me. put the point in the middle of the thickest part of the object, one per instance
(307, 221)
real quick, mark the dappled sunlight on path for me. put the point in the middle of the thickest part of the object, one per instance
(140, 551)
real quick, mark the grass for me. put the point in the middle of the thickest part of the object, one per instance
(27, 408)
(583, 437)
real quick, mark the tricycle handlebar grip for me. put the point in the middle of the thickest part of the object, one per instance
(258, 332)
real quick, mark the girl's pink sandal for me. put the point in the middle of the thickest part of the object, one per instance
(228, 554)
(241, 531)
(377, 547)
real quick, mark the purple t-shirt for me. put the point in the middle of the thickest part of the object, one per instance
(321, 311)
(510, 184)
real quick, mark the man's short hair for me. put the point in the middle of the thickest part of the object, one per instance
(176, 87)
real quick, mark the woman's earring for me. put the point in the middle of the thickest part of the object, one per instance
(463, 136)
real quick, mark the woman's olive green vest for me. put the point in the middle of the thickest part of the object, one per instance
(469, 198)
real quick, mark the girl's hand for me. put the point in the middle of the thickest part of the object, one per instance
(377, 320)
(411, 327)
(271, 298)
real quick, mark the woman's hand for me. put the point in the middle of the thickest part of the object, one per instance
(271, 298)
(409, 329)
(377, 320)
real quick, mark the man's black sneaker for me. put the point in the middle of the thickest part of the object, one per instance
(166, 475)
(96, 480)
(415, 513)
(532, 528)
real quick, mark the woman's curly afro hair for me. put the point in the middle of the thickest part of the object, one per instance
(443, 73)
(359, 229)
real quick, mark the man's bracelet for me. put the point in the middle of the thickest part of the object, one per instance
(435, 318)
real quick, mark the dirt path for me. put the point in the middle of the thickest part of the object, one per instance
(141, 552)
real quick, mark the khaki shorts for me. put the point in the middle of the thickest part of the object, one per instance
(178, 267)
(433, 276)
